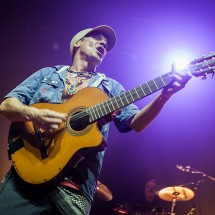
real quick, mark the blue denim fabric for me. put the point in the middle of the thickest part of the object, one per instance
(47, 85)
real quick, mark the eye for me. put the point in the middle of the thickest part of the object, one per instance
(96, 37)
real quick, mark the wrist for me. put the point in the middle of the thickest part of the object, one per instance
(163, 97)
(31, 113)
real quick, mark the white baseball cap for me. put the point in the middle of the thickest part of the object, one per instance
(104, 29)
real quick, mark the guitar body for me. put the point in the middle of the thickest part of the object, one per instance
(61, 145)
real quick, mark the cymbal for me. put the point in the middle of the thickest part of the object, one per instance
(102, 192)
(176, 192)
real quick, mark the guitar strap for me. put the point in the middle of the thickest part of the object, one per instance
(100, 81)
(62, 69)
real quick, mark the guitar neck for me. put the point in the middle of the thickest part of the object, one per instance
(105, 108)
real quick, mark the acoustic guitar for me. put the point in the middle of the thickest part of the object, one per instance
(39, 157)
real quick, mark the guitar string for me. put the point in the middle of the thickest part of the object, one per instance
(115, 101)
(118, 99)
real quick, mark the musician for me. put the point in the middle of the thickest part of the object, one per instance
(146, 201)
(73, 191)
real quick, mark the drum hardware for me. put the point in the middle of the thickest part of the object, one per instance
(192, 170)
(102, 192)
(192, 211)
(121, 209)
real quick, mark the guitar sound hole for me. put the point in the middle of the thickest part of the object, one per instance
(79, 121)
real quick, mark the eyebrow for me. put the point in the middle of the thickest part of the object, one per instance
(99, 34)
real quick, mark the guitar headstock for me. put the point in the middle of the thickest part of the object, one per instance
(203, 66)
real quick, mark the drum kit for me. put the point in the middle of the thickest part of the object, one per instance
(172, 194)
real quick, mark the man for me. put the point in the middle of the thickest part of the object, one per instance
(146, 202)
(73, 193)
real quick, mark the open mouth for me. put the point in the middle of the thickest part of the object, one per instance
(101, 50)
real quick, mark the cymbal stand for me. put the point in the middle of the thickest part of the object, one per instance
(174, 200)
(173, 206)
(195, 210)
(192, 170)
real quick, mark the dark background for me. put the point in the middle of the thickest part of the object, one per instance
(150, 36)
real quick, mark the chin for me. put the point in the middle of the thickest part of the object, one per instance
(98, 60)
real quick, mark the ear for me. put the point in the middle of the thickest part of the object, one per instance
(77, 44)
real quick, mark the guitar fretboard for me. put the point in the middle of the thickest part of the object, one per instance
(102, 109)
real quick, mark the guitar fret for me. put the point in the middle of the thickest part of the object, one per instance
(121, 100)
(96, 110)
(135, 96)
(147, 90)
(116, 102)
(131, 95)
(162, 80)
(155, 84)
(152, 86)
(149, 87)
(112, 104)
(90, 112)
(142, 90)
(108, 106)
(137, 93)
(166, 79)
(104, 108)
(100, 109)
(124, 94)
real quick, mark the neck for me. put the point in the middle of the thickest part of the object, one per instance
(81, 65)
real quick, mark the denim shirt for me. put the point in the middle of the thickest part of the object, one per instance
(47, 85)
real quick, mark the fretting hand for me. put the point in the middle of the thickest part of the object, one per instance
(179, 80)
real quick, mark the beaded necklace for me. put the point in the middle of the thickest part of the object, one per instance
(71, 88)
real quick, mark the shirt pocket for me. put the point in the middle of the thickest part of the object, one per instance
(47, 91)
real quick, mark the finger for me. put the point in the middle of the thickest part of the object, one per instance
(54, 114)
(49, 128)
(51, 120)
(177, 78)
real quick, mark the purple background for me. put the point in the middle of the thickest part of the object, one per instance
(150, 35)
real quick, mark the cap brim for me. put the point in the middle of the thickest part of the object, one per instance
(108, 33)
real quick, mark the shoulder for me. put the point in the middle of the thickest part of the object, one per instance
(49, 70)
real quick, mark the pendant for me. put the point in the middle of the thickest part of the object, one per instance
(71, 89)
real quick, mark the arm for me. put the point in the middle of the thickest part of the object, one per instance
(46, 119)
(142, 119)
